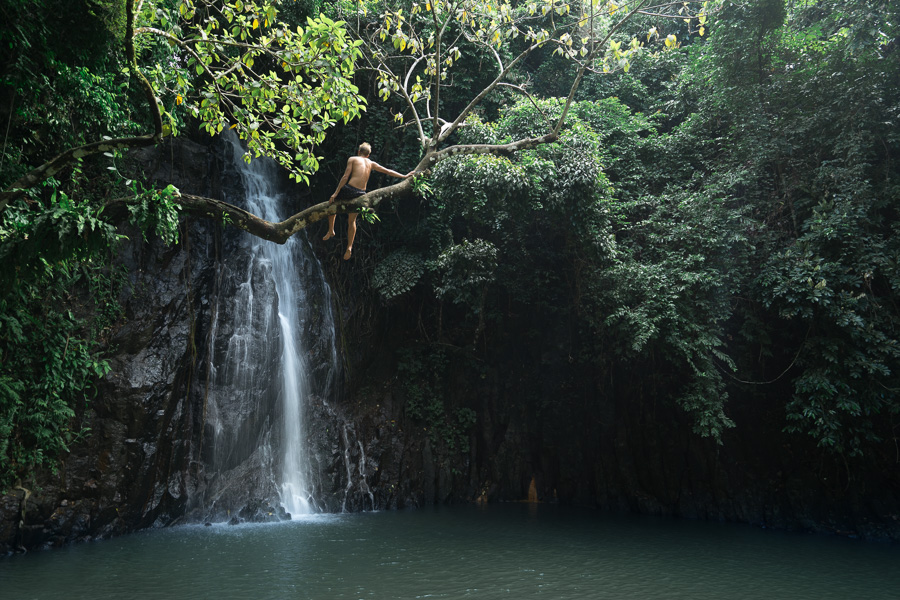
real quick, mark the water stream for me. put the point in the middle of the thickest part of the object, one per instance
(259, 369)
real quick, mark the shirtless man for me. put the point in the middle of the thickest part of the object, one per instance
(353, 185)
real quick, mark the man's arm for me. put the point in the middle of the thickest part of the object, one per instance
(343, 180)
(390, 172)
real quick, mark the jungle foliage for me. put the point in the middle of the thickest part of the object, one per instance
(726, 211)
(53, 330)
(719, 207)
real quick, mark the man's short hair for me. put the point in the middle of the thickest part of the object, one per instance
(365, 149)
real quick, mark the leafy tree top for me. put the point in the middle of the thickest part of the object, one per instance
(235, 65)
(415, 49)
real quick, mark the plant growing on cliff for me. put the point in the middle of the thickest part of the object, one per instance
(424, 373)
(49, 360)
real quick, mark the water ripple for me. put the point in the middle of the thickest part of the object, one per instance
(507, 551)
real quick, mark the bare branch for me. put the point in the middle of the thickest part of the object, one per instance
(410, 72)
(591, 56)
(522, 90)
(481, 96)
(431, 159)
(436, 94)
(497, 58)
(385, 69)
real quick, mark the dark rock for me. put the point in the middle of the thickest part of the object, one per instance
(168, 443)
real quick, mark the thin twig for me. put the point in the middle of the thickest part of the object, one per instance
(12, 102)
(530, 97)
(796, 356)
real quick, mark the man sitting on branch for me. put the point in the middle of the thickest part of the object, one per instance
(353, 185)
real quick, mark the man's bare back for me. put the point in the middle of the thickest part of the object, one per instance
(356, 176)
(360, 168)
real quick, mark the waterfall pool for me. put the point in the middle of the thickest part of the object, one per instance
(514, 551)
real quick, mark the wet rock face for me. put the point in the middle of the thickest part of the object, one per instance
(171, 440)
(233, 424)
(125, 474)
(233, 388)
(134, 468)
(138, 466)
(567, 434)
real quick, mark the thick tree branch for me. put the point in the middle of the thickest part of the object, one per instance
(212, 208)
(281, 232)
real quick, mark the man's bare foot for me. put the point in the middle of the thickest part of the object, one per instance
(348, 253)
(328, 236)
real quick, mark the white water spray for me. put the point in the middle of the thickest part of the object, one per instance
(284, 267)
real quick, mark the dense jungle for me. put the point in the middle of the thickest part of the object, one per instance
(649, 260)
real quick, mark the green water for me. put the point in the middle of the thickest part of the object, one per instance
(501, 551)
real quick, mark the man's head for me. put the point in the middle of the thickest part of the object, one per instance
(365, 149)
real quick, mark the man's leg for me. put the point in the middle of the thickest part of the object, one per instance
(351, 233)
(330, 233)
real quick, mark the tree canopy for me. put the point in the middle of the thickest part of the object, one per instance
(236, 66)
(721, 217)
(230, 66)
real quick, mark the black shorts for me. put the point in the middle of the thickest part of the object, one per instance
(348, 192)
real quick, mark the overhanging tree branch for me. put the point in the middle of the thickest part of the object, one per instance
(488, 26)
(280, 232)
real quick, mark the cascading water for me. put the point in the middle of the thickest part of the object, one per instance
(259, 373)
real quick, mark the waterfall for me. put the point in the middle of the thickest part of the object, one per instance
(259, 372)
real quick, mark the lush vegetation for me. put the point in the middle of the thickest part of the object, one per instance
(724, 213)
(717, 206)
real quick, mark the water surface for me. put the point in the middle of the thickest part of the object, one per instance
(501, 551)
